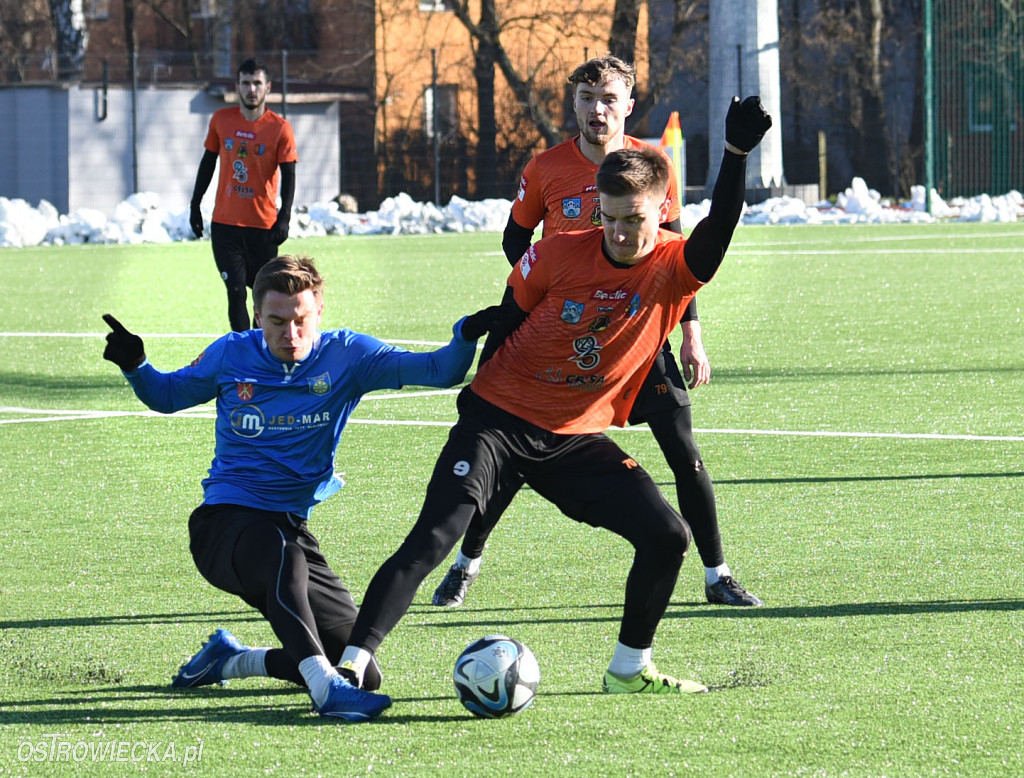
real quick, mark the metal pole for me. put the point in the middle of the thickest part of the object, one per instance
(135, 122)
(434, 127)
(284, 83)
(929, 106)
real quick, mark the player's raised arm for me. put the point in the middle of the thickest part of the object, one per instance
(745, 125)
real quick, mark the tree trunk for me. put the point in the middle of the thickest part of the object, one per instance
(71, 38)
(622, 40)
(484, 59)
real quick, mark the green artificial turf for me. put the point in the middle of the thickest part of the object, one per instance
(863, 428)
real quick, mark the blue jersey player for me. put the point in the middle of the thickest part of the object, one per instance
(284, 393)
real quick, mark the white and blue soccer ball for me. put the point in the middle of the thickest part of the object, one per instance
(496, 676)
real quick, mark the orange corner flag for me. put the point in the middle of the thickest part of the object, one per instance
(672, 137)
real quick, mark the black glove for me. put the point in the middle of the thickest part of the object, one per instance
(477, 324)
(195, 220)
(123, 349)
(746, 123)
(279, 232)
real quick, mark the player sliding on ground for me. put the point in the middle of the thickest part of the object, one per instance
(583, 318)
(284, 393)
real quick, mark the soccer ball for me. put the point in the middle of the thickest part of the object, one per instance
(496, 676)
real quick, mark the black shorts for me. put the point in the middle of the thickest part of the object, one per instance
(588, 477)
(662, 390)
(214, 531)
(240, 252)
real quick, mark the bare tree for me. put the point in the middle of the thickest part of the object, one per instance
(70, 35)
(25, 34)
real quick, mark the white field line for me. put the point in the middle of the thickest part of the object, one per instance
(192, 335)
(37, 415)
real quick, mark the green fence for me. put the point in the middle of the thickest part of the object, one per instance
(974, 91)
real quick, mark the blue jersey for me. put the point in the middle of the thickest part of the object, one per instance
(279, 423)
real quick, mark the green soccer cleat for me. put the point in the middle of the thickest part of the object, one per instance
(650, 681)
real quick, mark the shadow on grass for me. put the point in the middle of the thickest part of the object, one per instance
(700, 610)
(136, 618)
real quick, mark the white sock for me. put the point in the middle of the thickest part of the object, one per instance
(628, 662)
(246, 664)
(360, 659)
(472, 566)
(712, 574)
(317, 672)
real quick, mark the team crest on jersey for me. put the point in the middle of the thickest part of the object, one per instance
(260, 149)
(526, 263)
(600, 324)
(245, 390)
(572, 207)
(595, 215)
(572, 312)
(634, 304)
(522, 188)
(320, 384)
(243, 151)
(197, 360)
(229, 143)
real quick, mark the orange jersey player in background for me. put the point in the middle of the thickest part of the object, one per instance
(558, 189)
(256, 150)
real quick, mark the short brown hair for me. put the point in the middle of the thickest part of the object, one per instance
(289, 275)
(633, 171)
(601, 69)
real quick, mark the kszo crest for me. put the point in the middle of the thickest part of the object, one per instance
(572, 207)
(572, 312)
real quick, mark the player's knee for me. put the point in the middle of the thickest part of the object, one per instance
(671, 539)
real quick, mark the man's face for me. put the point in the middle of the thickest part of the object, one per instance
(601, 110)
(253, 89)
(631, 224)
(290, 323)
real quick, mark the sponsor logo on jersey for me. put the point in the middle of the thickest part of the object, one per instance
(572, 207)
(245, 134)
(239, 171)
(243, 151)
(244, 390)
(634, 304)
(522, 188)
(247, 421)
(320, 384)
(601, 294)
(553, 375)
(572, 312)
(587, 354)
(526, 263)
(586, 383)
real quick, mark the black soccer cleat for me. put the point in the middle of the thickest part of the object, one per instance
(451, 592)
(728, 591)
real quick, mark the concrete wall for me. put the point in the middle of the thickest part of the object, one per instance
(62, 149)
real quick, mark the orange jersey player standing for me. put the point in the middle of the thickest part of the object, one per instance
(558, 189)
(588, 305)
(256, 151)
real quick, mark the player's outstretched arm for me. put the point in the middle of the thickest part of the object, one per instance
(124, 348)
(507, 321)
(448, 365)
(745, 124)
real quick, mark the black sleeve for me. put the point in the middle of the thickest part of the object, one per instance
(205, 175)
(515, 240)
(287, 188)
(690, 314)
(706, 246)
(510, 317)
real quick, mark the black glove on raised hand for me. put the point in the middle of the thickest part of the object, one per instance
(746, 123)
(123, 348)
(476, 325)
(279, 232)
(195, 220)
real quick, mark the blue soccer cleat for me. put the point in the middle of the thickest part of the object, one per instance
(206, 667)
(348, 703)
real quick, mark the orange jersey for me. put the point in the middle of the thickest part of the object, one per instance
(249, 153)
(557, 188)
(591, 333)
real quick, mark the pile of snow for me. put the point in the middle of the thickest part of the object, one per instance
(141, 219)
